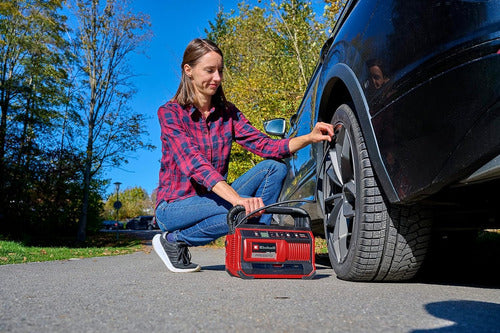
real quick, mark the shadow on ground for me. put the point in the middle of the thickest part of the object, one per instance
(464, 260)
(458, 260)
(465, 315)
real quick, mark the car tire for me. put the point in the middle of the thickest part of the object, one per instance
(368, 239)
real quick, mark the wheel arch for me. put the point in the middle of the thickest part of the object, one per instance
(342, 87)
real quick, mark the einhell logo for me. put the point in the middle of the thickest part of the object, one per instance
(263, 250)
(264, 247)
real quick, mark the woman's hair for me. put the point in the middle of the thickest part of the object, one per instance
(196, 49)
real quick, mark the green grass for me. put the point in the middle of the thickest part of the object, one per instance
(12, 252)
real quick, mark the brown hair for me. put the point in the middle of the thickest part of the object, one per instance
(196, 49)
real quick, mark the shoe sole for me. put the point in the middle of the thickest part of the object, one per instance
(164, 257)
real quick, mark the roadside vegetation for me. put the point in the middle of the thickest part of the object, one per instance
(98, 245)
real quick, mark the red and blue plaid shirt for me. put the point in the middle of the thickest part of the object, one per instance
(195, 151)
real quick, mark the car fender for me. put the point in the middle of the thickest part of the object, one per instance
(341, 73)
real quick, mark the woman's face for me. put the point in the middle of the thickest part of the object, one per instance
(377, 77)
(206, 75)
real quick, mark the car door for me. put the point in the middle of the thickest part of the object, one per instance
(301, 179)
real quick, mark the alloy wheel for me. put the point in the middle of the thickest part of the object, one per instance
(339, 193)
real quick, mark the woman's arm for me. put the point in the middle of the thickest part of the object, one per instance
(320, 132)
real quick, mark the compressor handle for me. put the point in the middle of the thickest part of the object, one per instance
(232, 217)
(300, 216)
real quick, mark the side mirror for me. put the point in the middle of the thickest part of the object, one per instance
(275, 127)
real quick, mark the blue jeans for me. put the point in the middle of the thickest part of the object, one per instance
(201, 219)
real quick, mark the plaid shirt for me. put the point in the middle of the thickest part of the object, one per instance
(195, 151)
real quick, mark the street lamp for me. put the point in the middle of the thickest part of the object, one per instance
(117, 205)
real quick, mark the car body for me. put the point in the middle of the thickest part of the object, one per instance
(413, 91)
(152, 224)
(112, 225)
(140, 222)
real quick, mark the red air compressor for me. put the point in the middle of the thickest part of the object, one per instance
(270, 251)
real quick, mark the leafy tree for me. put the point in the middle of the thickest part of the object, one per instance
(331, 12)
(135, 202)
(33, 59)
(106, 35)
(269, 54)
(31, 69)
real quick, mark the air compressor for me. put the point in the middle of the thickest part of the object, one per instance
(256, 250)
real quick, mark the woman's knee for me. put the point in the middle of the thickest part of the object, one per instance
(160, 216)
(279, 168)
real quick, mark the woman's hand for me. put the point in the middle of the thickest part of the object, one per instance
(320, 132)
(226, 192)
(251, 204)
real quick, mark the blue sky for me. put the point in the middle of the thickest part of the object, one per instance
(174, 24)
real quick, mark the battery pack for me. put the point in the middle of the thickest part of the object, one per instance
(268, 251)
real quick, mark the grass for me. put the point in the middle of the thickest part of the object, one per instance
(101, 244)
(12, 252)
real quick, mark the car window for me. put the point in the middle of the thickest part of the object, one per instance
(297, 124)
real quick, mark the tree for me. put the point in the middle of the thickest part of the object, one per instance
(135, 202)
(269, 54)
(331, 12)
(32, 78)
(107, 34)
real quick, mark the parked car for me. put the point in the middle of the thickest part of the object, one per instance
(139, 222)
(112, 225)
(412, 89)
(153, 224)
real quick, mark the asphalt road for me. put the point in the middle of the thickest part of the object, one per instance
(136, 293)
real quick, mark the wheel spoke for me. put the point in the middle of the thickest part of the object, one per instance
(340, 235)
(348, 210)
(338, 153)
(350, 189)
(335, 212)
(337, 177)
(332, 198)
(330, 222)
(346, 160)
(332, 177)
(341, 156)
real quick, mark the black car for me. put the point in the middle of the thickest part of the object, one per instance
(112, 225)
(153, 224)
(140, 222)
(412, 89)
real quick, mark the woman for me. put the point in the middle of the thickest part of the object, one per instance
(198, 127)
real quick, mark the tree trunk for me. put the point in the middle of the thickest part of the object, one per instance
(87, 177)
(82, 224)
(3, 134)
(87, 174)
